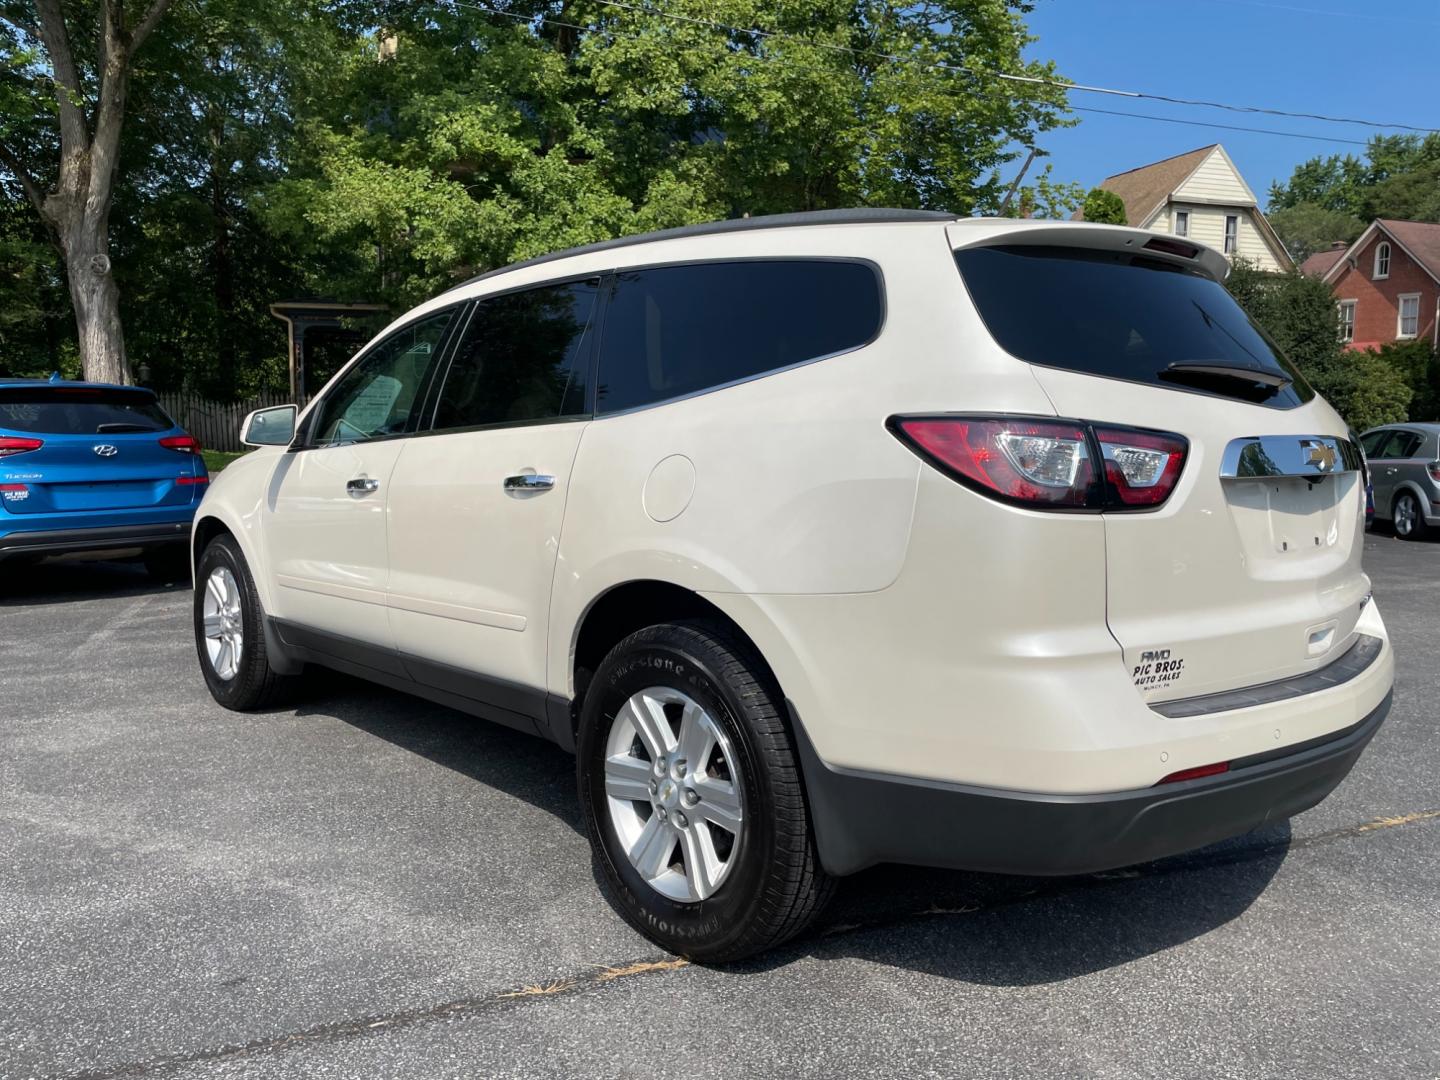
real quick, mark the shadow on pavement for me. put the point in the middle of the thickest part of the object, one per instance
(525, 766)
(68, 578)
(982, 928)
(1008, 931)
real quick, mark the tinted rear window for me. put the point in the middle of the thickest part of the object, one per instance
(46, 410)
(677, 330)
(1121, 316)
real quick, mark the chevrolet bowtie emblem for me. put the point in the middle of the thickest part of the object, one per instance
(1319, 455)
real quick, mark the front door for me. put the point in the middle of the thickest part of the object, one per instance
(326, 504)
(477, 505)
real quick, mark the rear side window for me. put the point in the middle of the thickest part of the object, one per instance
(81, 410)
(1124, 316)
(678, 330)
(523, 357)
(1402, 444)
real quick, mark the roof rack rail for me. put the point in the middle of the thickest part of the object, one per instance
(768, 221)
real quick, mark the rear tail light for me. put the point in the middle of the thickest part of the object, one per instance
(185, 444)
(1434, 470)
(1049, 464)
(13, 444)
(187, 480)
(1141, 467)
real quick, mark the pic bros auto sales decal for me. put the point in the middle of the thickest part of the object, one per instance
(1157, 669)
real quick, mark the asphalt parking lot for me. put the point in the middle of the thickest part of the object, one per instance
(364, 885)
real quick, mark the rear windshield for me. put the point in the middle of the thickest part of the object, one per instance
(80, 410)
(1123, 316)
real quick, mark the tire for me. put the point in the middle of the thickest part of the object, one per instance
(168, 564)
(245, 681)
(1406, 517)
(765, 884)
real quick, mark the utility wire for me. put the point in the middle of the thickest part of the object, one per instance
(1222, 127)
(547, 21)
(1008, 77)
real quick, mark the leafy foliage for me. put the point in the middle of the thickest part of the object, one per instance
(1395, 179)
(380, 150)
(1104, 207)
(1306, 228)
(1298, 312)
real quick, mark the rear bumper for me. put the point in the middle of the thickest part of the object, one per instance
(866, 818)
(107, 538)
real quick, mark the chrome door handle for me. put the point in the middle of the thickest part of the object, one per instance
(529, 482)
(362, 485)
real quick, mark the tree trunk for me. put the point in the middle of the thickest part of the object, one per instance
(96, 300)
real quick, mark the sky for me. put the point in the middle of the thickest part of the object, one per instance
(1365, 59)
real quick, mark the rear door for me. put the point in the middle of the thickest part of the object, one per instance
(95, 449)
(477, 504)
(1250, 570)
(1395, 461)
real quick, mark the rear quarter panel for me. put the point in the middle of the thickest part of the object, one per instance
(788, 483)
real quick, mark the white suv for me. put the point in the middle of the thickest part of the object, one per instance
(828, 540)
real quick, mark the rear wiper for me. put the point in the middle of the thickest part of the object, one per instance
(1220, 369)
(121, 428)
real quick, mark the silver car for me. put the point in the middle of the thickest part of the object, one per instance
(1405, 470)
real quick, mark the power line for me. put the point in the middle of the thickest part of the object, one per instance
(986, 72)
(1334, 14)
(547, 21)
(1223, 127)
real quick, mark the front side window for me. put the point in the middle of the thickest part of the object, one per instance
(1232, 234)
(1182, 222)
(381, 394)
(677, 330)
(1382, 261)
(1347, 320)
(524, 357)
(1124, 316)
(1409, 315)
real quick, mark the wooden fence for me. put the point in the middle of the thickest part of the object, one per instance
(216, 423)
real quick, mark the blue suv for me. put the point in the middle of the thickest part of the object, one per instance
(88, 466)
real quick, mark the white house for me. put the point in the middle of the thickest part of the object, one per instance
(1201, 195)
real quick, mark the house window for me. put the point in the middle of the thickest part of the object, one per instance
(1382, 262)
(1347, 320)
(1409, 315)
(1232, 234)
(1182, 222)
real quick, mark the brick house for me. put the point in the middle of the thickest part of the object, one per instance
(1386, 284)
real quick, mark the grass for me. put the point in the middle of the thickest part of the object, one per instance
(215, 460)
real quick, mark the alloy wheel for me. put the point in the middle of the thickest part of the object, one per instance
(673, 791)
(1405, 514)
(224, 623)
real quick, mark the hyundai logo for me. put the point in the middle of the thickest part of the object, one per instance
(106, 450)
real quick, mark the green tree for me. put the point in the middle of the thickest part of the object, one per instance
(456, 140)
(1369, 187)
(1104, 208)
(76, 65)
(1298, 313)
(1306, 228)
(1375, 391)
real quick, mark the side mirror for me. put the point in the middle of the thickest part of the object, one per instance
(270, 427)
